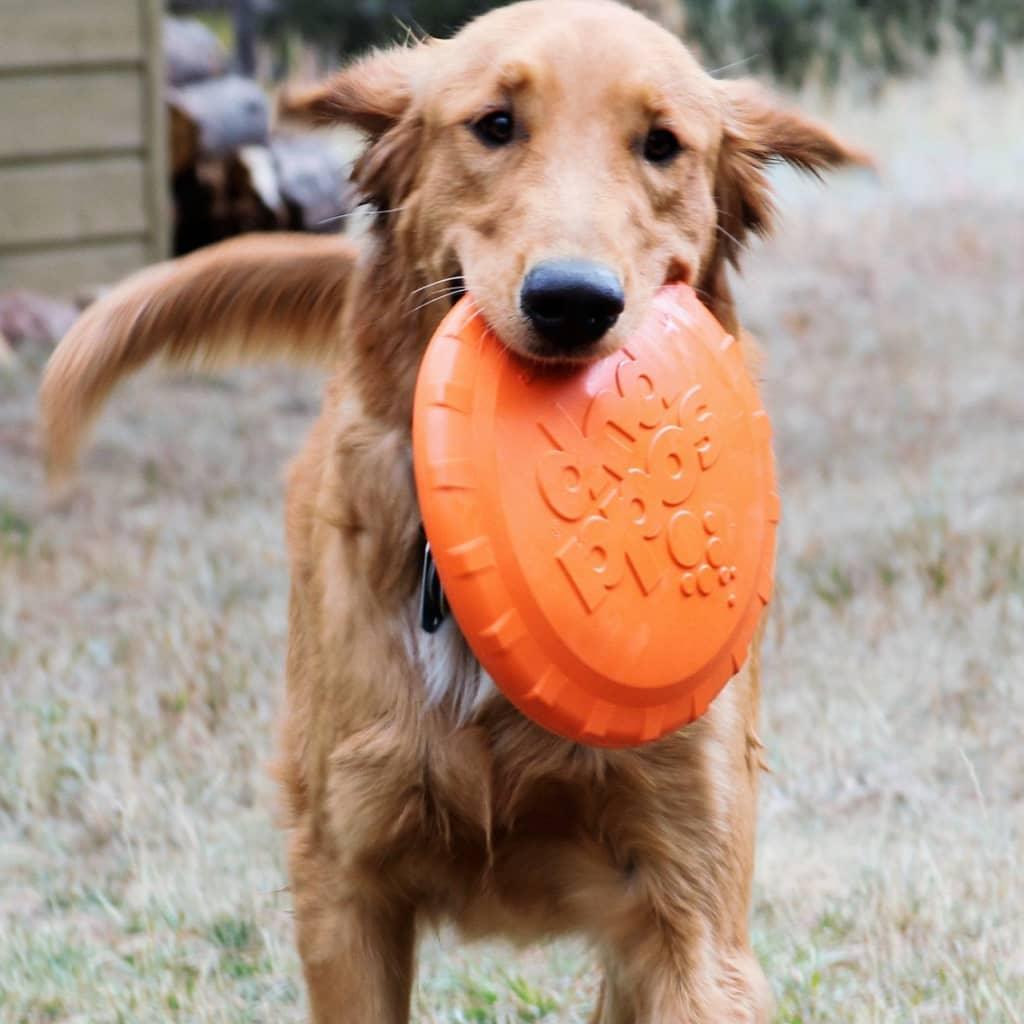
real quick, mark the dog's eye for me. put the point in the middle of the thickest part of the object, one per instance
(495, 129)
(661, 145)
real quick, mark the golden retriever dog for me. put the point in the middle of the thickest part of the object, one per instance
(561, 160)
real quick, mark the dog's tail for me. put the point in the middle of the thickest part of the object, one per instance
(255, 297)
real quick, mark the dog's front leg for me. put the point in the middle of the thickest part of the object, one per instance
(678, 950)
(725, 987)
(356, 944)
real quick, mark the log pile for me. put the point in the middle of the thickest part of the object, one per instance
(230, 173)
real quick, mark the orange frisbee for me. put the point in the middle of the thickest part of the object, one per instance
(604, 535)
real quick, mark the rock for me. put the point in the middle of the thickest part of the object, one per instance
(211, 119)
(313, 180)
(88, 294)
(192, 53)
(8, 360)
(28, 317)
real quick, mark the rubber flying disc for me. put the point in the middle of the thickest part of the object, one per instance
(604, 534)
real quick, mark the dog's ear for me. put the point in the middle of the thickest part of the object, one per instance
(375, 94)
(759, 131)
(371, 94)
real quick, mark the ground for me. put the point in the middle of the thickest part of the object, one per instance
(142, 638)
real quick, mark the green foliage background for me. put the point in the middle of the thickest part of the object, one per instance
(792, 37)
(789, 38)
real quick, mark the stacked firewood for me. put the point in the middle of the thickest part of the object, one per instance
(231, 172)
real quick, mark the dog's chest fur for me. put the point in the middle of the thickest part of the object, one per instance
(452, 677)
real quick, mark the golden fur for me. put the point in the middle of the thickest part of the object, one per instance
(404, 801)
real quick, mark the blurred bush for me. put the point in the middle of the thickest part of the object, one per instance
(792, 38)
(789, 38)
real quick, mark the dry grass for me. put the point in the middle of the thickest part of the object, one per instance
(142, 636)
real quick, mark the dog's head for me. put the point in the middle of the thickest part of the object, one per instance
(565, 159)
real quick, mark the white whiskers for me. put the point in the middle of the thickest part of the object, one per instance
(434, 284)
(448, 293)
(369, 211)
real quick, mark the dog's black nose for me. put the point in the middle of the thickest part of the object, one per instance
(571, 303)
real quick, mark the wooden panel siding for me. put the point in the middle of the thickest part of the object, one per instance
(65, 270)
(50, 115)
(55, 33)
(71, 202)
(83, 165)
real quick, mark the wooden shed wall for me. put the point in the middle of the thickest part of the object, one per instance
(83, 179)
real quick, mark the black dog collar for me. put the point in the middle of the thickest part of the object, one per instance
(433, 606)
